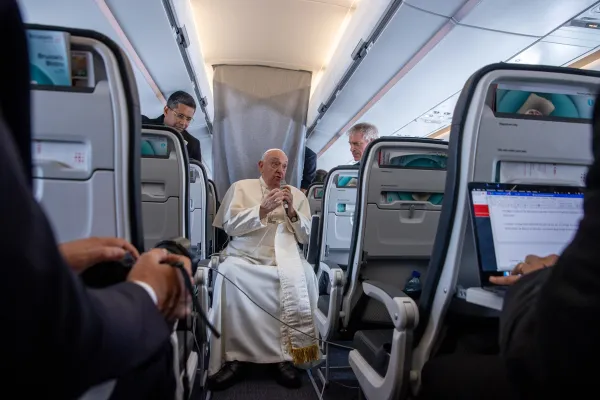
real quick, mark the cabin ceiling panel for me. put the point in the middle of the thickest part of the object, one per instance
(545, 53)
(447, 8)
(575, 36)
(408, 31)
(432, 121)
(84, 14)
(531, 17)
(295, 34)
(440, 75)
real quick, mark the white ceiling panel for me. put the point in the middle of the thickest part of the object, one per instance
(544, 53)
(446, 8)
(408, 31)
(575, 36)
(531, 17)
(83, 14)
(439, 117)
(420, 128)
(440, 75)
(433, 120)
(295, 34)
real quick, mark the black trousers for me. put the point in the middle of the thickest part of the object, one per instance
(155, 380)
(465, 377)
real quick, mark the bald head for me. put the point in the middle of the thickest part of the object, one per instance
(273, 166)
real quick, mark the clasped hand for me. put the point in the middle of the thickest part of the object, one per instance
(152, 268)
(276, 198)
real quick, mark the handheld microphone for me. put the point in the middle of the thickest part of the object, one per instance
(282, 185)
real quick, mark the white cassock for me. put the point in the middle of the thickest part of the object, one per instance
(264, 260)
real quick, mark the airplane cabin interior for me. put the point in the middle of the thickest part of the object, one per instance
(468, 169)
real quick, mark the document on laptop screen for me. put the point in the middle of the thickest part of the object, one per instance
(525, 223)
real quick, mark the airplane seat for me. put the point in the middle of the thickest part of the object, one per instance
(335, 237)
(315, 197)
(93, 156)
(398, 209)
(98, 167)
(199, 210)
(165, 191)
(165, 185)
(492, 141)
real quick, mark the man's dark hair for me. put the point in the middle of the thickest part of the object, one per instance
(181, 97)
(320, 176)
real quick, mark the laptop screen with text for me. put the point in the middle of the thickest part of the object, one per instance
(513, 221)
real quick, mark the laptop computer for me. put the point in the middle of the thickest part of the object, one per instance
(512, 221)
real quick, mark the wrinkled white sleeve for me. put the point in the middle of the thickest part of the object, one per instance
(235, 218)
(301, 228)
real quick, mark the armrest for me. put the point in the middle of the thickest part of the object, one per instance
(202, 275)
(402, 309)
(336, 274)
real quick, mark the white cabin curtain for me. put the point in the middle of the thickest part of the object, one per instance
(256, 109)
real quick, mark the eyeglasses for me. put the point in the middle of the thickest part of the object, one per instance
(181, 117)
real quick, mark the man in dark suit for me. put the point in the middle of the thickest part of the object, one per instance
(310, 169)
(178, 114)
(76, 337)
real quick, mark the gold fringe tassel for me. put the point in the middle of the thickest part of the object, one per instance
(305, 355)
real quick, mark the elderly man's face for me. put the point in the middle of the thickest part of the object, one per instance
(358, 144)
(273, 168)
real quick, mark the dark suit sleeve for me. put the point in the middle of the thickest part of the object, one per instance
(193, 148)
(51, 322)
(310, 168)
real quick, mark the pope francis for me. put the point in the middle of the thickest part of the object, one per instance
(266, 220)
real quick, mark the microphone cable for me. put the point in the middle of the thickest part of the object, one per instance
(274, 317)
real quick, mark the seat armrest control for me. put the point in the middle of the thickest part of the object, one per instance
(335, 273)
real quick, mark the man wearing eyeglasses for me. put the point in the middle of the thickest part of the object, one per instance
(178, 114)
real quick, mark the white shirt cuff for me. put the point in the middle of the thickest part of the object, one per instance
(148, 290)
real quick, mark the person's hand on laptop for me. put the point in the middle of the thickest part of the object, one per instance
(532, 263)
